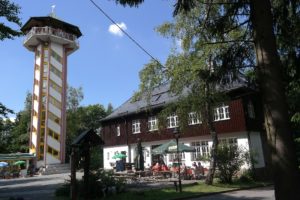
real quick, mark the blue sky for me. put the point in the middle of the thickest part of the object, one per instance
(106, 65)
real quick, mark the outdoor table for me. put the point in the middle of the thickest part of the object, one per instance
(165, 174)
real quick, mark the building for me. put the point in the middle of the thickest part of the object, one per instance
(238, 121)
(51, 40)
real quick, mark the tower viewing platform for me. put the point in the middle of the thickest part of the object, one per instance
(46, 29)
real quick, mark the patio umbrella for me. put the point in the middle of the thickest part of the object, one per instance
(171, 147)
(3, 164)
(19, 162)
(119, 155)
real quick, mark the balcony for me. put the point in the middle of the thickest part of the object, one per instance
(49, 34)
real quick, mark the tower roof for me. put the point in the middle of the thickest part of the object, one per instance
(52, 22)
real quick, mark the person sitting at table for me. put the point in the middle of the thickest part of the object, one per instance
(183, 171)
(156, 167)
(164, 167)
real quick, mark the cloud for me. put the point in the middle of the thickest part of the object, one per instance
(115, 30)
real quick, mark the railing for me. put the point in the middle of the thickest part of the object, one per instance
(50, 31)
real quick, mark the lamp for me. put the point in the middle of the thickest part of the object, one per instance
(177, 135)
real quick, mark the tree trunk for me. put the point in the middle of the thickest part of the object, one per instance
(214, 136)
(269, 70)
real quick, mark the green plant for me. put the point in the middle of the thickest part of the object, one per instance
(230, 158)
(247, 176)
(99, 183)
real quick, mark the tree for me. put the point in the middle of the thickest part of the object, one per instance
(6, 126)
(109, 109)
(20, 133)
(10, 12)
(74, 97)
(259, 24)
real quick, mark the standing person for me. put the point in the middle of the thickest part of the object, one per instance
(201, 168)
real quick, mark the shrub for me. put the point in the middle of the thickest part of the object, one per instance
(100, 183)
(247, 176)
(229, 161)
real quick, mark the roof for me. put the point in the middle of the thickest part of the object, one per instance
(160, 97)
(16, 156)
(52, 22)
(88, 136)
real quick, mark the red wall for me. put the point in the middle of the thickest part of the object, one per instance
(236, 123)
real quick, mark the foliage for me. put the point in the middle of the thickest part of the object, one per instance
(247, 176)
(81, 118)
(14, 135)
(230, 159)
(74, 97)
(10, 12)
(109, 109)
(20, 132)
(96, 158)
(6, 127)
(261, 22)
(99, 182)
(4, 111)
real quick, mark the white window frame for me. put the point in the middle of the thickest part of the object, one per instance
(231, 141)
(172, 121)
(202, 149)
(118, 130)
(152, 123)
(136, 126)
(194, 118)
(221, 113)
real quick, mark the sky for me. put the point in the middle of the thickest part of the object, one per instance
(106, 65)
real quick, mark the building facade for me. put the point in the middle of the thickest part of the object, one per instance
(51, 40)
(237, 121)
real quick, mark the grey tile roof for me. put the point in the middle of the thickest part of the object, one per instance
(162, 96)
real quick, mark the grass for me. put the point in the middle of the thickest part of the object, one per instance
(187, 191)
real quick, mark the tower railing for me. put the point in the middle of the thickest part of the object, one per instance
(50, 31)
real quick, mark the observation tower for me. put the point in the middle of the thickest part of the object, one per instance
(52, 41)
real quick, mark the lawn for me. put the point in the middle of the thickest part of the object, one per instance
(188, 191)
(170, 193)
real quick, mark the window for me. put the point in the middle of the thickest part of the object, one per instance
(53, 152)
(107, 156)
(202, 150)
(54, 102)
(55, 71)
(194, 118)
(152, 123)
(251, 112)
(56, 56)
(118, 130)
(228, 141)
(172, 121)
(221, 113)
(53, 134)
(136, 126)
(55, 86)
(173, 157)
(53, 117)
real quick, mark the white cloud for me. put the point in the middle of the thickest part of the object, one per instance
(115, 30)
